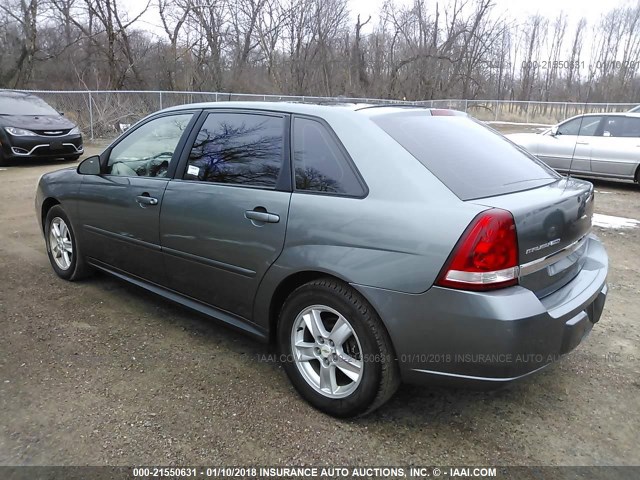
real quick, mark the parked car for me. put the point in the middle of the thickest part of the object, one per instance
(29, 127)
(373, 245)
(591, 145)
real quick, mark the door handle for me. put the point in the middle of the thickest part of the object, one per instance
(582, 143)
(261, 216)
(146, 200)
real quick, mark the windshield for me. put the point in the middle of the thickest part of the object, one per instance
(472, 160)
(24, 105)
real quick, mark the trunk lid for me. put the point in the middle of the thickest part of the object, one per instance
(552, 222)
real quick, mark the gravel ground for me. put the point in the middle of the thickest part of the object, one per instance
(99, 372)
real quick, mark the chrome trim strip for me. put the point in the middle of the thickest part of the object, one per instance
(55, 136)
(78, 150)
(539, 264)
(482, 379)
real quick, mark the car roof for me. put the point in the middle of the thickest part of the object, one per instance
(14, 94)
(610, 114)
(300, 108)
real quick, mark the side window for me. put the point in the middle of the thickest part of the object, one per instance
(320, 165)
(614, 127)
(632, 127)
(584, 126)
(238, 149)
(147, 151)
(620, 126)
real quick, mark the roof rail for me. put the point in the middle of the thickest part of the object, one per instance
(380, 105)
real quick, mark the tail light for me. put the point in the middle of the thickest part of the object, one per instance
(486, 256)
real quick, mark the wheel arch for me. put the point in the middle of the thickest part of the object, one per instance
(284, 289)
(288, 284)
(47, 204)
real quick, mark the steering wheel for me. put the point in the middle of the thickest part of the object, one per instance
(162, 154)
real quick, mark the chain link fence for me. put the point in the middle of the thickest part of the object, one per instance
(104, 114)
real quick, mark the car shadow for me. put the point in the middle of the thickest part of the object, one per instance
(412, 407)
(40, 162)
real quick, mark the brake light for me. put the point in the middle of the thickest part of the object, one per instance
(486, 256)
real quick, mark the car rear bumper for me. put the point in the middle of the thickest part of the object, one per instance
(43, 147)
(491, 337)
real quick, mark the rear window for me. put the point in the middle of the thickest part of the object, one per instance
(472, 160)
(24, 105)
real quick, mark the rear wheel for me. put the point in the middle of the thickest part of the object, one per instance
(62, 246)
(337, 352)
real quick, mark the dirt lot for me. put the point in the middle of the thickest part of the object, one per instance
(99, 372)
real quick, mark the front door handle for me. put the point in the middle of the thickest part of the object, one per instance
(261, 216)
(582, 143)
(146, 200)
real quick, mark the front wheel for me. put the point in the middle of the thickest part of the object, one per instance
(62, 246)
(335, 349)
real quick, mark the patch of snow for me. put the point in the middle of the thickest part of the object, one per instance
(609, 221)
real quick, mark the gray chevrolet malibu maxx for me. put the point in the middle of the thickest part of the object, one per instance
(373, 245)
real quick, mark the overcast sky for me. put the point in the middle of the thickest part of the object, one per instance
(592, 10)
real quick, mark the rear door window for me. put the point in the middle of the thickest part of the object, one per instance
(632, 127)
(238, 149)
(621, 127)
(320, 163)
(472, 160)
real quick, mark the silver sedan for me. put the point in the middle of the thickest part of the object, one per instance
(599, 145)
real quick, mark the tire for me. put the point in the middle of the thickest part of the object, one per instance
(63, 250)
(348, 334)
(3, 160)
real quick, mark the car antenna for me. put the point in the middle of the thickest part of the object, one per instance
(575, 145)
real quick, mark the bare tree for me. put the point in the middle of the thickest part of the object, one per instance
(24, 15)
(421, 50)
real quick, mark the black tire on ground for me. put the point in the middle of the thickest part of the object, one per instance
(3, 161)
(380, 376)
(78, 267)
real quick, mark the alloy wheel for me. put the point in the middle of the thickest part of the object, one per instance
(327, 351)
(60, 243)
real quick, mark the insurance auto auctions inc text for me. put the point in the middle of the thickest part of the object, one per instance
(373, 472)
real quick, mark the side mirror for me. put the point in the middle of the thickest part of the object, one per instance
(554, 130)
(90, 166)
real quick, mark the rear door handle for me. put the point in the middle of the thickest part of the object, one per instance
(259, 216)
(146, 200)
(582, 143)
